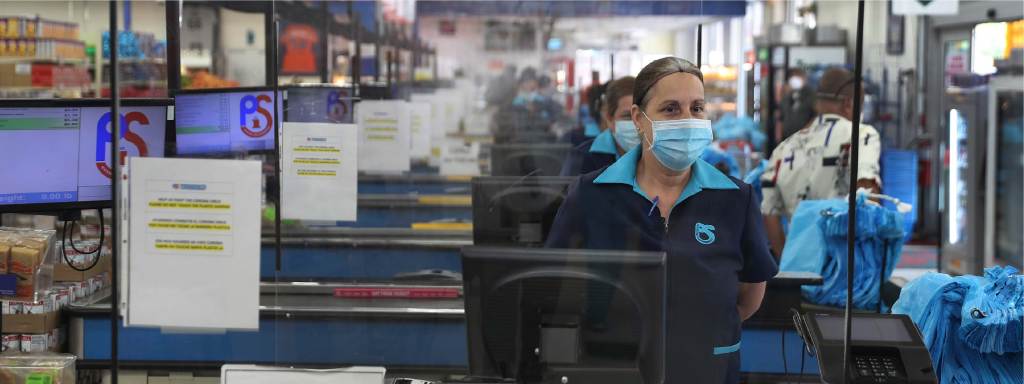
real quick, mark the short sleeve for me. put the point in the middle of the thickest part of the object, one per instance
(870, 153)
(567, 228)
(758, 263)
(771, 199)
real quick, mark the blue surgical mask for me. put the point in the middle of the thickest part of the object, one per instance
(626, 135)
(590, 128)
(677, 144)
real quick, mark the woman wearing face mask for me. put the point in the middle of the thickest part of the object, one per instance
(659, 196)
(619, 137)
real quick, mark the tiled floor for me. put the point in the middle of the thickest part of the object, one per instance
(915, 261)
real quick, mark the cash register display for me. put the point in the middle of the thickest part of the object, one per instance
(864, 329)
(63, 153)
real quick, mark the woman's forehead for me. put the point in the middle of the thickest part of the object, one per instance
(678, 86)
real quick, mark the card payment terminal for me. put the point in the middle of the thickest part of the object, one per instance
(884, 348)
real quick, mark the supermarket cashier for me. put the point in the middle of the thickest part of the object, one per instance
(659, 196)
(618, 137)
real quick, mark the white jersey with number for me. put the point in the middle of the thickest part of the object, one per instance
(813, 164)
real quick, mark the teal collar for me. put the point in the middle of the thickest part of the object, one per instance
(604, 143)
(705, 176)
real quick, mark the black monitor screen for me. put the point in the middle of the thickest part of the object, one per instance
(63, 153)
(528, 159)
(595, 316)
(224, 122)
(320, 105)
(864, 329)
(516, 210)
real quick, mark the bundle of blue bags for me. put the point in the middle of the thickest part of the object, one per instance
(817, 243)
(970, 324)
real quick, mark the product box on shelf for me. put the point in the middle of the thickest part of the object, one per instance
(10, 343)
(26, 323)
(30, 257)
(63, 272)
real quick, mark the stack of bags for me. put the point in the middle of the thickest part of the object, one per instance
(816, 243)
(970, 324)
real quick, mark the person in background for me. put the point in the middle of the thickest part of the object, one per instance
(502, 89)
(588, 116)
(814, 163)
(619, 136)
(797, 103)
(550, 108)
(523, 120)
(659, 196)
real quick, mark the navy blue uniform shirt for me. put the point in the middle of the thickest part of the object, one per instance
(714, 238)
(591, 155)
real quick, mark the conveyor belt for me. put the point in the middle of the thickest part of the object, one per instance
(317, 300)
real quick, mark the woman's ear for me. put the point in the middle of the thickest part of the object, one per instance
(634, 113)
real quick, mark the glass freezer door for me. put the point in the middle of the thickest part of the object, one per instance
(1005, 207)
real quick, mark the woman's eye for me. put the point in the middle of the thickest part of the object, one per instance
(670, 110)
(699, 108)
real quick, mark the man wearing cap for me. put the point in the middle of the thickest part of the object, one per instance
(814, 163)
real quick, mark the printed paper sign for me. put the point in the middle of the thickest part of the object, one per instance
(320, 173)
(194, 243)
(419, 127)
(383, 136)
(459, 159)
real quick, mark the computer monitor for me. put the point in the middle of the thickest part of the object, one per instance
(589, 316)
(56, 153)
(516, 211)
(223, 121)
(319, 104)
(375, 92)
(528, 159)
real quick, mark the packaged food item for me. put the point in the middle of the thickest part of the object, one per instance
(49, 369)
(63, 297)
(30, 259)
(6, 242)
(12, 307)
(36, 307)
(35, 343)
(10, 343)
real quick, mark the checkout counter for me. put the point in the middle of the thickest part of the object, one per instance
(309, 319)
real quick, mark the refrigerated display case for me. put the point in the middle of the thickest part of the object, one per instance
(963, 187)
(1004, 210)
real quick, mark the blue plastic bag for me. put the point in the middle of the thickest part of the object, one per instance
(971, 325)
(817, 243)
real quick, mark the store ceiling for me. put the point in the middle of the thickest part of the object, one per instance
(602, 32)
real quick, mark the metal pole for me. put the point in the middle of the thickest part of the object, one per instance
(115, 180)
(357, 57)
(851, 230)
(325, 53)
(700, 40)
(277, 138)
(270, 40)
(173, 21)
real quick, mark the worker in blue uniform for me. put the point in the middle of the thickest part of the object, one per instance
(619, 134)
(660, 196)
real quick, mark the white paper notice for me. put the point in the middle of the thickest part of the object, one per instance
(383, 136)
(320, 177)
(194, 243)
(419, 127)
(459, 159)
(437, 122)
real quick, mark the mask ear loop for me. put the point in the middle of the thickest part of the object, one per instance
(651, 147)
